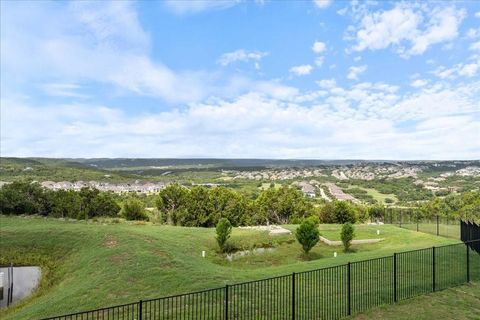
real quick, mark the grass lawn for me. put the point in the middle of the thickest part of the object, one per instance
(459, 303)
(450, 230)
(89, 265)
(380, 197)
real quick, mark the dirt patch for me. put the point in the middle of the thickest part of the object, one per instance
(120, 258)
(339, 243)
(272, 229)
(110, 242)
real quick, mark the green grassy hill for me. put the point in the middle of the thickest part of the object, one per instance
(459, 303)
(93, 264)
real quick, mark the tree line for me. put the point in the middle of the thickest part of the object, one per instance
(199, 206)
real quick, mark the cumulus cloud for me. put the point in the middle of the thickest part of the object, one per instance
(322, 4)
(418, 83)
(407, 28)
(354, 72)
(301, 70)
(241, 55)
(458, 70)
(475, 46)
(319, 47)
(360, 121)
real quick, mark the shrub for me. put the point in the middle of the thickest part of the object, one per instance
(344, 212)
(347, 235)
(307, 233)
(223, 230)
(133, 210)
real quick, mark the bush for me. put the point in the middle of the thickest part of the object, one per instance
(133, 210)
(307, 234)
(223, 230)
(348, 232)
(344, 213)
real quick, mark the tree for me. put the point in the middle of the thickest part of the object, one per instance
(133, 210)
(103, 205)
(172, 201)
(23, 197)
(343, 212)
(223, 230)
(226, 203)
(307, 233)
(198, 208)
(65, 203)
(347, 235)
(281, 206)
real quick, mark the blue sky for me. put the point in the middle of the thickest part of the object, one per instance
(242, 79)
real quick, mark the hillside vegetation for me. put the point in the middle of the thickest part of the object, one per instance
(93, 264)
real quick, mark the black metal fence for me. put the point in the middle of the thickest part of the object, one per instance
(470, 231)
(414, 219)
(327, 293)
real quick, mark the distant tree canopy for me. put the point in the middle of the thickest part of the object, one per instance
(204, 207)
(25, 197)
(199, 206)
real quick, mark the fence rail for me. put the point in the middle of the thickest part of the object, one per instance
(327, 293)
(414, 219)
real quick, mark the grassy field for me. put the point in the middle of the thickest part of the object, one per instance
(459, 303)
(89, 265)
(380, 197)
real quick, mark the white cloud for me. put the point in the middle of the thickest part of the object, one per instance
(356, 122)
(63, 90)
(405, 25)
(191, 7)
(100, 43)
(469, 70)
(354, 72)
(419, 83)
(473, 33)
(319, 47)
(475, 46)
(322, 4)
(477, 14)
(458, 70)
(319, 61)
(301, 70)
(241, 55)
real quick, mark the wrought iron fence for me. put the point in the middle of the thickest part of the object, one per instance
(327, 293)
(414, 219)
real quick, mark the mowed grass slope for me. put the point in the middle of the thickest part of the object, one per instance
(459, 303)
(91, 265)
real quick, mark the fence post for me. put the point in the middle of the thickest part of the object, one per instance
(293, 296)
(226, 301)
(468, 262)
(438, 233)
(349, 288)
(433, 269)
(140, 307)
(395, 299)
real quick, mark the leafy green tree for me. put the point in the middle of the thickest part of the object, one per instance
(223, 231)
(344, 212)
(103, 205)
(327, 213)
(307, 233)
(347, 235)
(65, 204)
(282, 205)
(172, 202)
(133, 209)
(198, 208)
(226, 203)
(23, 197)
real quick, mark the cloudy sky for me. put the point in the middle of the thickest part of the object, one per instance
(243, 79)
